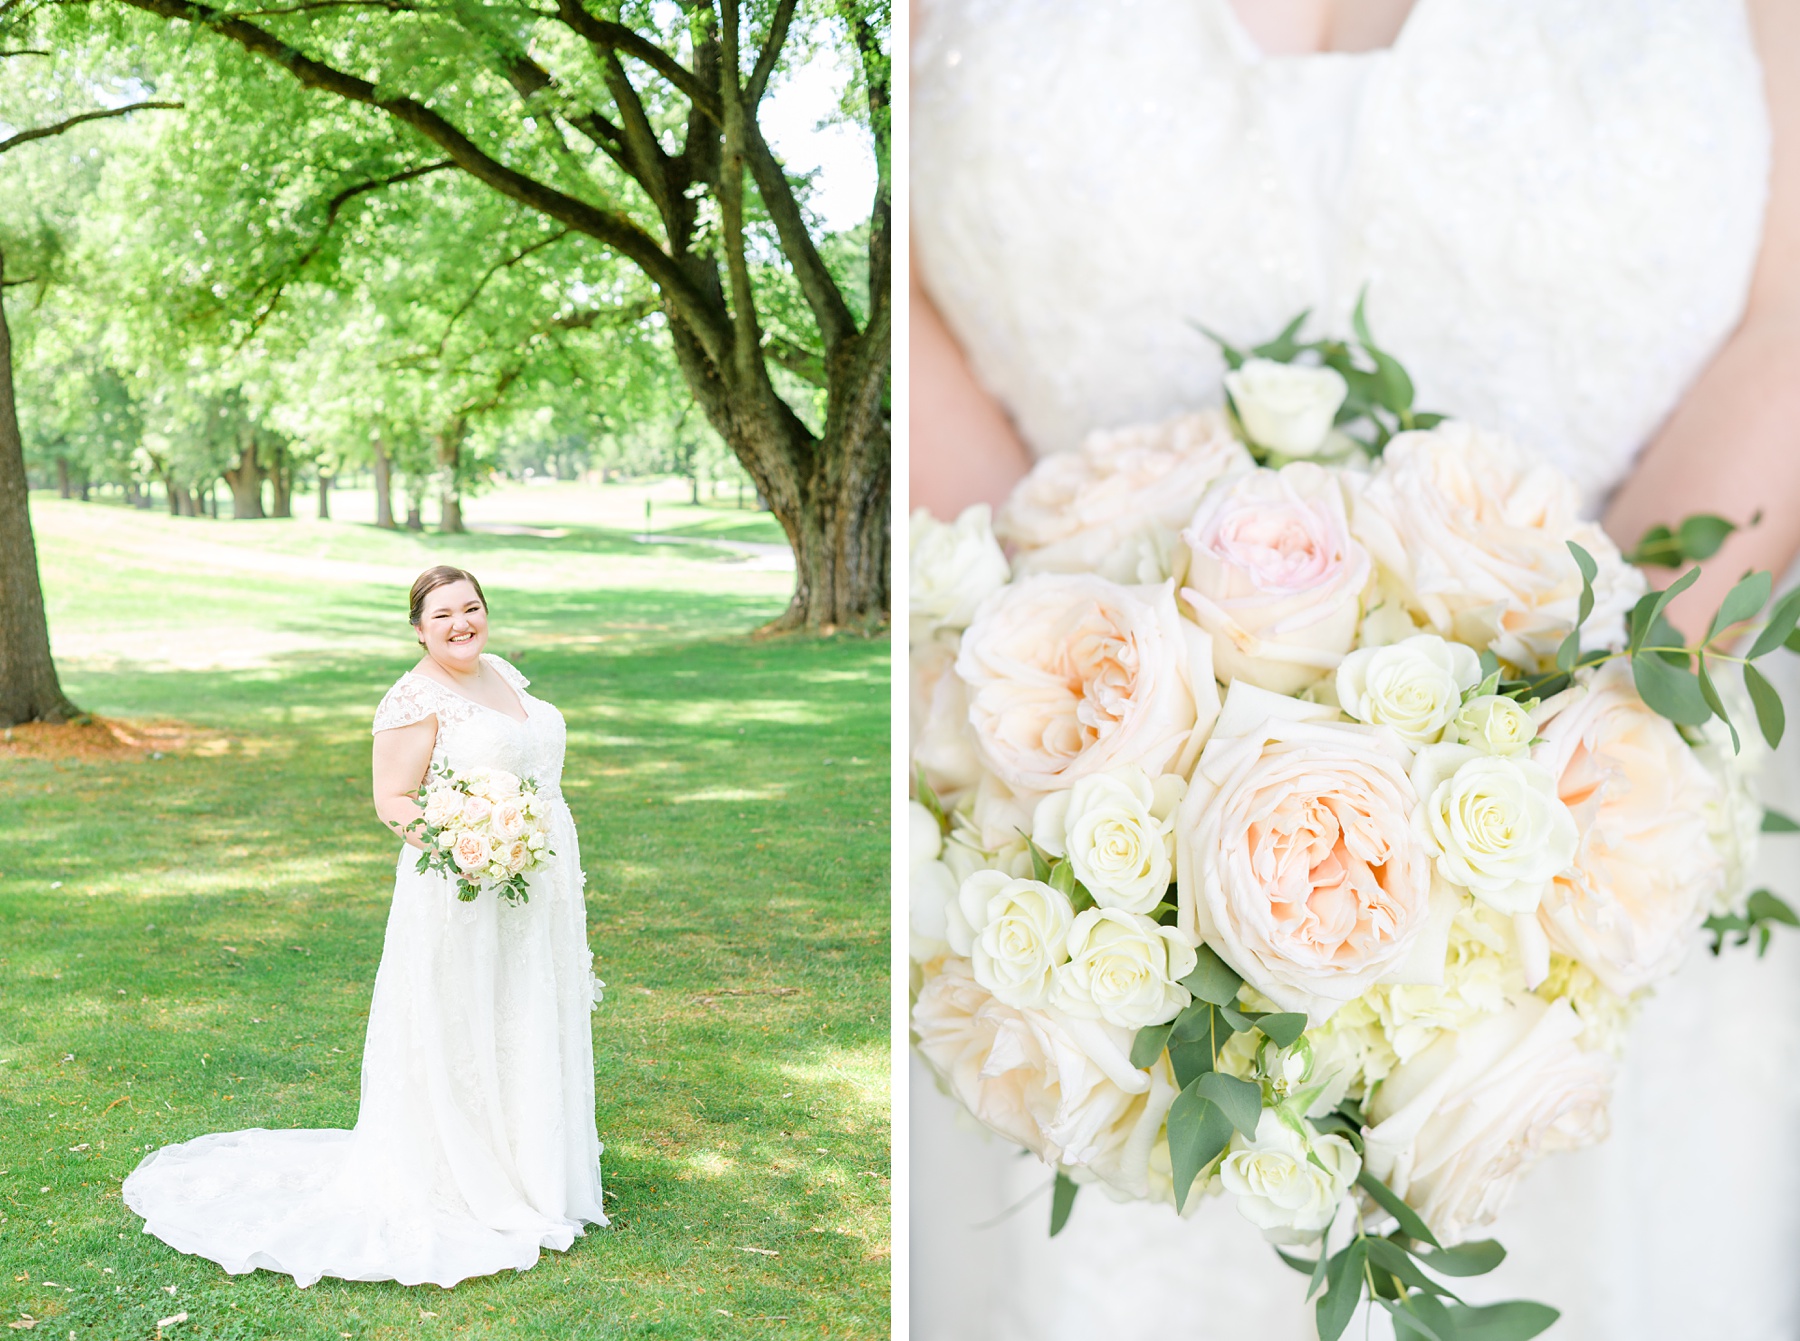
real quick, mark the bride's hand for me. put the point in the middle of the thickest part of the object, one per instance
(402, 756)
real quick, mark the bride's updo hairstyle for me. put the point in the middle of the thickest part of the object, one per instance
(429, 581)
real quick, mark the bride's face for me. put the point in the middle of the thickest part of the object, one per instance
(454, 626)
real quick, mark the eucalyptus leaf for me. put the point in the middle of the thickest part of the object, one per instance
(1742, 602)
(1770, 715)
(1386, 1198)
(1386, 1255)
(1198, 1134)
(1773, 821)
(1284, 347)
(1710, 692)
(1671, 591)
(1233, 356)
(1062, 1201)
(1514, 1320)
(1284, 1028)
(1782, 620)
(1475, 1258)
(1212, 978)
(1767, 907)
(1300, 1264)
(1410, 1326)
(1233, 1019)
(1393, 388)
(1190, 1060)
(1239, 1100)
(1669, 690)
(1149, 1045)
(1657, 548)
(1343, 1290)
(1701, 535)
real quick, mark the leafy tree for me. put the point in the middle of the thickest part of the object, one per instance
(635, 131)
(42, 103)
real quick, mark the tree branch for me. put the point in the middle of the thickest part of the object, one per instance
(687, 301)
(617, 37)
(771, 51)
(496, 268)
(337, 203)
(40, 132)
(877, 68)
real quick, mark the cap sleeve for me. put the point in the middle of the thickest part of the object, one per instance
(508, 672)
(412, 699)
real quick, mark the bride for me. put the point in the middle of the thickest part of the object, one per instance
(1579, 223)
(475, 1144)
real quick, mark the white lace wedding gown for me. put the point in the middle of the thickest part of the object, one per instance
(475, 1144)
(1556, 208)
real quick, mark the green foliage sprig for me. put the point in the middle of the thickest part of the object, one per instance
(1380, 396)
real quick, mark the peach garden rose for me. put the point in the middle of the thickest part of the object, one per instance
(1069, 675)
(1295, 854)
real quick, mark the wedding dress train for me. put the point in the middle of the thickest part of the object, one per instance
(475, 1145)
(1555, 209)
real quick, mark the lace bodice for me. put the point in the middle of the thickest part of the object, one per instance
(473, 735)
(1556, 207)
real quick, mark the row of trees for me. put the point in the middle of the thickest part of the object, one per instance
(415, 235)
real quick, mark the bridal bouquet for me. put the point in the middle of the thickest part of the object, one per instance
(1353, 940)
(486, 826)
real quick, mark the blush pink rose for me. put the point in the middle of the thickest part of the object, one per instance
(442, 805)
(1114, 506)
(1069, 675)
(476, 810)
(1296, 858)
(1275, 577)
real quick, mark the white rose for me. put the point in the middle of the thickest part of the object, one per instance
(442, 805)
(953, 567)
(1114, 507)
(1123, 968)
(1117, 830)
(1275, 577)
(1063, 1088)
(1493, 724)
(1286, 1186)
(1288, 408)
(943, 742)
(1647, 868)
(475, 810)
(1070, 675)
(931, 886)
(1413, 687)
(1296, 858)
(1496, 826)
(1472, 531)
(1015, 933)
(1453, 1130)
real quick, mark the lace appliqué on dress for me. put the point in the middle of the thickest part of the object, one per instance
(413, 698)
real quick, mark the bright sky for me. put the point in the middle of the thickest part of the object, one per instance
(839, 153)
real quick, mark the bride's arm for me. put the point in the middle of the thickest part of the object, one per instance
(1732, 447)
(402, 754)
(962, 446)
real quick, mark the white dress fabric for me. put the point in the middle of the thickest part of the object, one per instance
(1556, 209)
(475, 1144)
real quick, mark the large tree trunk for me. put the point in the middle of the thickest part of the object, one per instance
(64, 488)
(324, 495)
(245, 479)
(449, 455)
(384, 491)
(29, 690)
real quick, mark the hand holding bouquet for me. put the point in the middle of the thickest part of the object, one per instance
(1304, 807)
(483, 827)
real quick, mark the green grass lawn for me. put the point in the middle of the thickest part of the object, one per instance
(187, 944)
